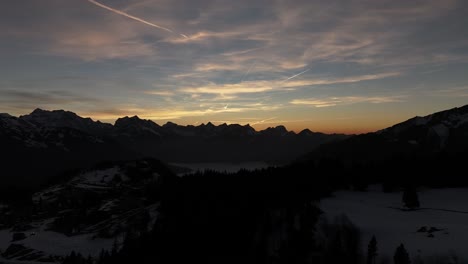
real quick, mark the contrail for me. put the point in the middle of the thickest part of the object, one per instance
(294, 76)
(263, 121)
(248, 71)
(131, 17)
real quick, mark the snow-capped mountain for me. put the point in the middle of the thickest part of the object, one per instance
(15, 130)
(54, 141)
(62, 119)
(136, 127)
(44, 128)
(441, 130)
(445, 131)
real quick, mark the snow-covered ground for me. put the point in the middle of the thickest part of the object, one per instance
(376, 213)
(223, 166)
(53, 243)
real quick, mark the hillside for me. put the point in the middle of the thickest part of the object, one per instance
(51, 142)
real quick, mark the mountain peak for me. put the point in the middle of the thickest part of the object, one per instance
(306, 132)
(127, 119)
(38, 110)
(134, 121)
(5, 115)
(276, 131)
(64, 119)
(170, 124)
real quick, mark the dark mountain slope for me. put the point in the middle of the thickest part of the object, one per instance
(45, 143)
(445, 131)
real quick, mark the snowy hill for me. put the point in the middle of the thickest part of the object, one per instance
(86, 213)
(445, 129)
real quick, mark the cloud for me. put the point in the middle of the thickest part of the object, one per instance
(20, 102)
(43, 98)
(96, 45)
(210, 67)
(238, 88)
(228, 41)
(202, 36)
(346, 100)
(351, 79)
(176, 113)
(267, 86)
(456, 92)
(160, 93)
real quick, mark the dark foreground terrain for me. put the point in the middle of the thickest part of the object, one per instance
(139, 211)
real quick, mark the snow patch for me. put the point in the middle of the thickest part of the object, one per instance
(98, 178)
(375, 214)
(443, 132)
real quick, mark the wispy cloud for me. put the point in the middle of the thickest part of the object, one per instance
(266, 86)
(334, 101)
(456, 92)
(176, 113)
(160, 93)
(44, 97)
(96, 45)
(238, 88)
(18, 101)
(232, 53)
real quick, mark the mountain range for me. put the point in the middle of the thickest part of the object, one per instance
(46, 143)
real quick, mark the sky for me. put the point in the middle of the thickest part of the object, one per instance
(349, 66)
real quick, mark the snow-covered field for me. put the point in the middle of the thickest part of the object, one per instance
(376, 213)
(53, 243)
(224, 167)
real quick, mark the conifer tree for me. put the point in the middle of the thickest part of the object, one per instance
(372, 251)
(401, 256)
(410, 198)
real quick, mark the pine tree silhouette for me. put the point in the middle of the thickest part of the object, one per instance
(410, 197)
(372, 251)
(401, 256)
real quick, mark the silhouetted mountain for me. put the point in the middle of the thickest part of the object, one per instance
(262, 216)
(278, 131)
(33, 150)
(445, 131)
(134, 127)
(52, 141)
(170, 142)
(66, 119)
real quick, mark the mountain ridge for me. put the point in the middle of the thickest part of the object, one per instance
(52, 142)
(54, 117)
(443, 131)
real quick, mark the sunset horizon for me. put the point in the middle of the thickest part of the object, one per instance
(351, 68)
(348, 128)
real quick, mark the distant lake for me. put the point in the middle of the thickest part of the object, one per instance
(222, 166)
